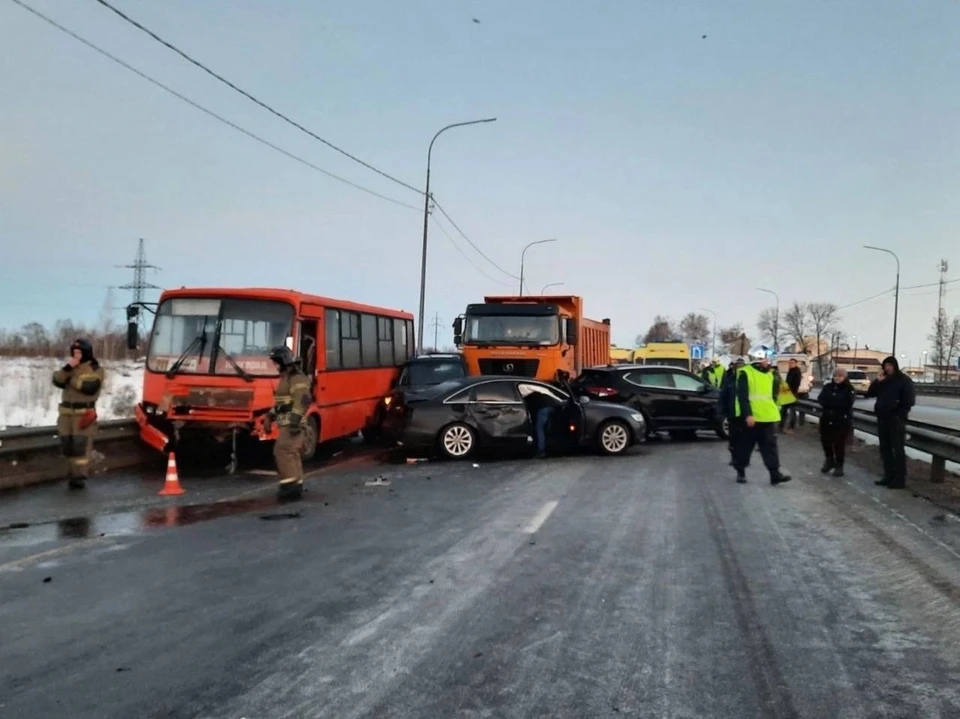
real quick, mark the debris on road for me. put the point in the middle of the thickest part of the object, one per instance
(380, 481)
(281, 515)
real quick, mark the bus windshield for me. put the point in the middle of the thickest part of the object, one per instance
(512, 329)
(202, 335)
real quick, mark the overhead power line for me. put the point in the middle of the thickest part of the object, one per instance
(253, 99)
(457, 247)
(207, 111)
(470, 242)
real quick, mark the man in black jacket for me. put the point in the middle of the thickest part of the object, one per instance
(895, 396)
(794, 378)
(726, 405)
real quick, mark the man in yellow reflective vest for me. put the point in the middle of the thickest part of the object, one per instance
(716, 373)
(756, 408)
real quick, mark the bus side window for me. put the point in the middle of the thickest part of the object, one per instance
(332, 331)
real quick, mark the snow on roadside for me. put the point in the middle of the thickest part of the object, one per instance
(29, 399)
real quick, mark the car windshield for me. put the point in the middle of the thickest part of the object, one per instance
(512, 329)
(431, 372)
(204, 333)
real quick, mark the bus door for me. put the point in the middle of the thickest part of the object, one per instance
(308, 349)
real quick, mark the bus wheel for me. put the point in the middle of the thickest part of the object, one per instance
(310, 435)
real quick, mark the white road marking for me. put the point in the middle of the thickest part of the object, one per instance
(540, 517)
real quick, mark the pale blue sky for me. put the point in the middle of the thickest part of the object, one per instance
(676, 172)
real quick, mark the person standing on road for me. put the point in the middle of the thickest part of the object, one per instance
(726, 405)
(541, 409)
(81, 380)
(895, 395)
(756, 406)
(836, 398)
(787, 397)
(291, 400)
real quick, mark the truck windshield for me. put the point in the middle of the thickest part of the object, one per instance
(512, 330)
(244, 330)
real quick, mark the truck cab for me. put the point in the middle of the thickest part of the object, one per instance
(530, 337)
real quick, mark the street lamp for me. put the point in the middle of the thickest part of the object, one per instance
(552, 284)
(855, 348)
(923, 365)
(523, 254)
(713, 345)
(426, 218)
(896, 296)
(776, 321)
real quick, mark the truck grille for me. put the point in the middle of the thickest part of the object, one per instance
(516, 367)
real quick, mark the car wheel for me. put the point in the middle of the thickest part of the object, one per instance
(457, 441)
(311, 433)
(613, 437)
(723, 428)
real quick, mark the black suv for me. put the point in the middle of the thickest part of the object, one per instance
(431, 369)
(416, 375)
(671, 399)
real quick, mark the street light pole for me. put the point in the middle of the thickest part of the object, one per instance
(776, 322)
(713, 344)
(896, 295)
(426, 218)
(524, 254)
(552, 284)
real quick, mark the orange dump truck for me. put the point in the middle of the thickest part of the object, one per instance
(531, 337)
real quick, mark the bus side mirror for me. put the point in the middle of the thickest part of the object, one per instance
(133, 335)
(458, 331)
(133, 331)
(570, 330)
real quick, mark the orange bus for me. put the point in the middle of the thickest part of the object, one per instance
(208, 377)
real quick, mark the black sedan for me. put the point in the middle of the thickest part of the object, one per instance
(671, 399)
(460, 417)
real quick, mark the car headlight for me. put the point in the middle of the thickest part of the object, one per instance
(637, 418)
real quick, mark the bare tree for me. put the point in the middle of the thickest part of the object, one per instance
(695, 328)
(946, 342)
(824, 317)
(660, 331)
(796, 325)
(771, 327)
(729, 336)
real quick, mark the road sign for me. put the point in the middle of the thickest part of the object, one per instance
(696, 351)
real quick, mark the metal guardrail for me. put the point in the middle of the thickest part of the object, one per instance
(941, 443)
(34, 439)
(949, 389)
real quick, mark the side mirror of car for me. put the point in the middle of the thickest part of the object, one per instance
(584, 399)
(570, 330)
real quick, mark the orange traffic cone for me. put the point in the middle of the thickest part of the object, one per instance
(172, 484)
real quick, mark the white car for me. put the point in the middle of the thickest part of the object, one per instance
(858, 378)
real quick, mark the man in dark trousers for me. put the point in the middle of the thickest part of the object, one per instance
(895, 395)
(788, 400)
(727, 405)
(756, 406)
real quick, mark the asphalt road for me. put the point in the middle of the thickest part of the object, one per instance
(648, 586)
(941, 411)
